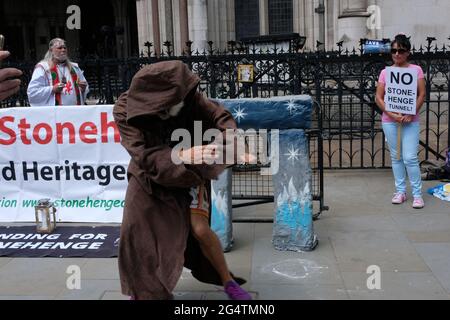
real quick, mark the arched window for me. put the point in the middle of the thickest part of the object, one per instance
(280, 16)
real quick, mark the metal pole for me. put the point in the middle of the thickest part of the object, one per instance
(156, 31)
(184, 25)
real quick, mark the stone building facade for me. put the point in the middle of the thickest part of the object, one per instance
(324, 21)
(121, 28)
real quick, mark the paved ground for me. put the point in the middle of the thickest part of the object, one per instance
(411, 248)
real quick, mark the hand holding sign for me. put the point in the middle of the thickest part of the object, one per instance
(397, 117)
(407, 119)
(401, 90)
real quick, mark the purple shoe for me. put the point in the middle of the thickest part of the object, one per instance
(235, 292)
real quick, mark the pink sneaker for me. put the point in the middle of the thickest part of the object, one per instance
(418, 203)
(399, 198)
(235, 292)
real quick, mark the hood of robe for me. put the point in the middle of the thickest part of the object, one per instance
(157, 87)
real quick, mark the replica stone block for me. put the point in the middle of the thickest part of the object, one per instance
(221, 207)
(287, 112)
(293, 223)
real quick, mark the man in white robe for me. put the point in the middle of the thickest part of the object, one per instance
(56, 80)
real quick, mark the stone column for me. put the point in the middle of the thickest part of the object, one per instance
(352, 22)
(263, 17)
(310, 24)
(303, 20)
(320, 12)
(182, 29)
(155, 27)
(221, 19)
(331, 24)
(214, 21)
(143, 10)
(198, 24)
(298, 17)
(231, 22)
(165, 19)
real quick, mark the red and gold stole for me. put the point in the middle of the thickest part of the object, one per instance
(55, 80)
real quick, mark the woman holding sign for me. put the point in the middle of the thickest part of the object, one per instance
(400, 95)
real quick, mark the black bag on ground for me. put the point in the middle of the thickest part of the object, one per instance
(434, 170)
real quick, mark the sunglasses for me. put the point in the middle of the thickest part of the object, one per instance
(400, 51)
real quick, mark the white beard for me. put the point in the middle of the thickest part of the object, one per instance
(60, 59)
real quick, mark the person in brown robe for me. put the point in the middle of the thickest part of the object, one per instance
(156, 238)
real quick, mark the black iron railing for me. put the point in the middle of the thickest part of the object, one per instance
(347, 131)
(343, 81)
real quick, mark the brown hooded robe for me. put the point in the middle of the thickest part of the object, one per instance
(155, 240)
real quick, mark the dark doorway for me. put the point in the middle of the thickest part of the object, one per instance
(28, 26)
(133, 30)
(97, 34)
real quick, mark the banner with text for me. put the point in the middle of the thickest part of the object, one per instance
(401, 90)
(71, 155)
(76, 241)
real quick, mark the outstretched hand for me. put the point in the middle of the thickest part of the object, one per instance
(199, 154)
(210, 154)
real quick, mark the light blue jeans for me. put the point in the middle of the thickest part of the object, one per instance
(409, 161)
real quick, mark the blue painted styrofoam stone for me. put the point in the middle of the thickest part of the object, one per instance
(221, 209)
(293, 223)
(286, 112)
